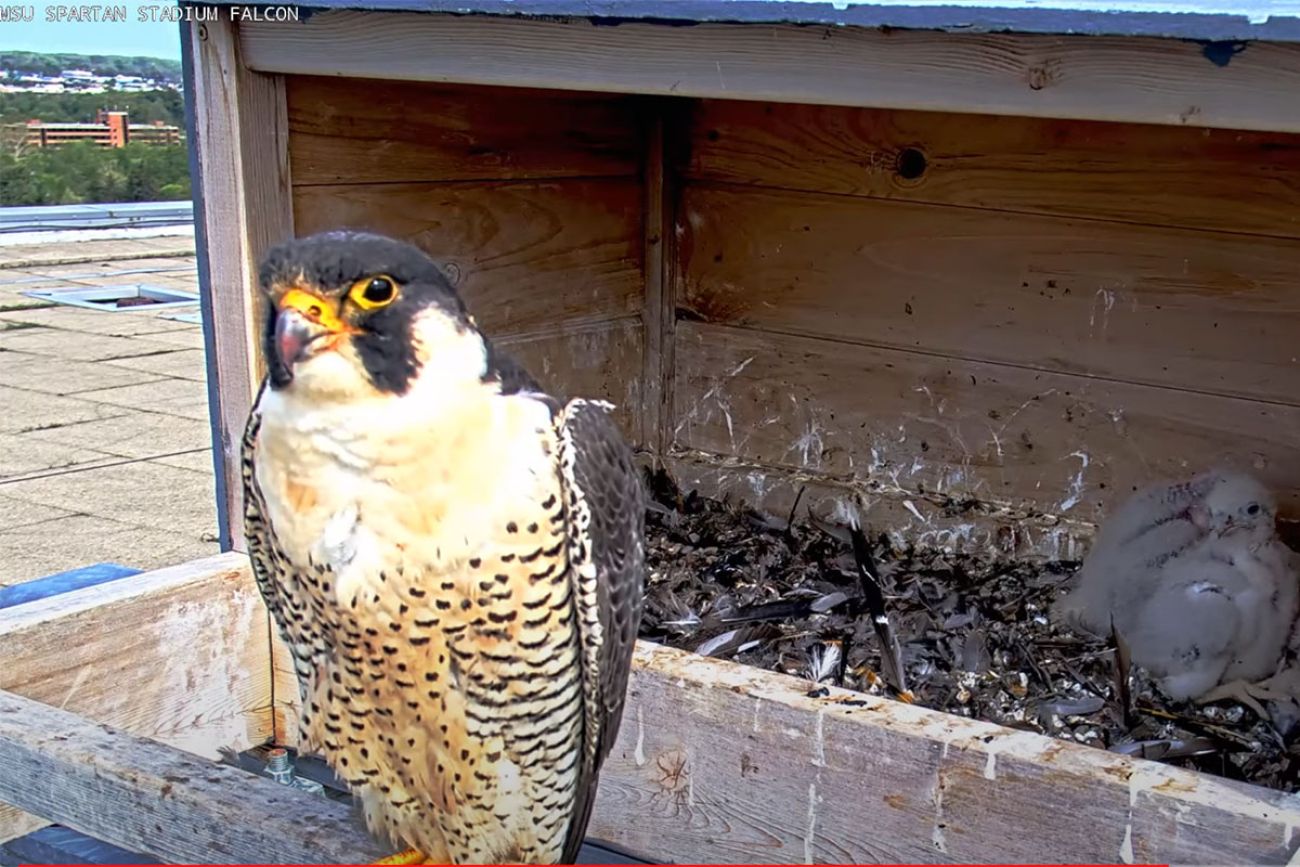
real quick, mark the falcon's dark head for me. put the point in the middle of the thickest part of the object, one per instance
(351, 315)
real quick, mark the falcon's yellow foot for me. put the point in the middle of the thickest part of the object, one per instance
(410, 856)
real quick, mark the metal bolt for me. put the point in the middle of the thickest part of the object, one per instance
(279, 767)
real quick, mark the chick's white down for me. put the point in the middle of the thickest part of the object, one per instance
(1194, 578)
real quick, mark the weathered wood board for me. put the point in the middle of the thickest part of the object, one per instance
(348, 130)
(525, 254)
(180, 655)
(1135, 80)
(147, 797)
(1216, 179)
(241, 141)
(721, 763)
(907, 422)
(1207, 312)
(601, 361)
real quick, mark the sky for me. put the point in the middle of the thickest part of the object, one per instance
(129, 37)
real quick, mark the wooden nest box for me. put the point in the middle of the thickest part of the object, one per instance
(972, 285)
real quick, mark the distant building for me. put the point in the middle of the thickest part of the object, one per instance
(110, 129)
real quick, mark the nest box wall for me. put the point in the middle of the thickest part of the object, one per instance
(981, 329)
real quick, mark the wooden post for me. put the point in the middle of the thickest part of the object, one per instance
(241, 145)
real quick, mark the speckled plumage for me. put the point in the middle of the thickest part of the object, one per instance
(457, 566)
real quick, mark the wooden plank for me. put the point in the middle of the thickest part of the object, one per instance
(721, 763)
(241, 139)
(1099, 78)
(1203, 311)
(715, 763)
(1196, 178)
(657, 314)
(904, 422)
(526, 255)
(359, 130)
(600, 361)
(151, 798)
(181, 655)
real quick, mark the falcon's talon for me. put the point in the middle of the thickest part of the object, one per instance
(407, 857)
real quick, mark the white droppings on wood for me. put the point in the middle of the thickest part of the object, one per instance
(843, 512)
(1126, 846)
(223, 725)
(74, 687)
(809, 445)
(1105, 299)
(638, 755)
(793, 733)
(813, 800)
(1028, 746)
(1295, 856)
(1076, 484)
(937, 836)
(758, 703)
(911, 507)
(1141, 779)
(819, 739)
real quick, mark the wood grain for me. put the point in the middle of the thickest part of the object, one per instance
(659, 310)
(905, 423)
(151, 798)
(1196, 178)
(603, 361)
(1099, 78)
(181, 655)
(344, 130)
(526, 255)
(721, 763)
(241, 140)
(1207, 312)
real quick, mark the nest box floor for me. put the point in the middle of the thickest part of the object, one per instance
(975, 633)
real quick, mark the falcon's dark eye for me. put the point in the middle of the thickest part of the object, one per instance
(371, 292)
(1252, 509)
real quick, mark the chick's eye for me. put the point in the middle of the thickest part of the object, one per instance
(1252, 509)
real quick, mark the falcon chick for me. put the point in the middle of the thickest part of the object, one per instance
(1150, 527)
(455, 558)
(1204, 595)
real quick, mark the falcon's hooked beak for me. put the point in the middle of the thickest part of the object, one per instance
(303, 323)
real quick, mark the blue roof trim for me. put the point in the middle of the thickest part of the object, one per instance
(64, 582)
(1201, 20)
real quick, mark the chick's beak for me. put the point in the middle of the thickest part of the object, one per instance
(302, 319)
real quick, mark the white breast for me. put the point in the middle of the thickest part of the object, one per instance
(364, 486)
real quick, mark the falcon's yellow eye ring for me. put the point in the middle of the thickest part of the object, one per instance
(369, 293)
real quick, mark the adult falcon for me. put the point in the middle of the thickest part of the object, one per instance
(455, 557)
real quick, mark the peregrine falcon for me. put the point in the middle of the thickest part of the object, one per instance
(454, 557)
